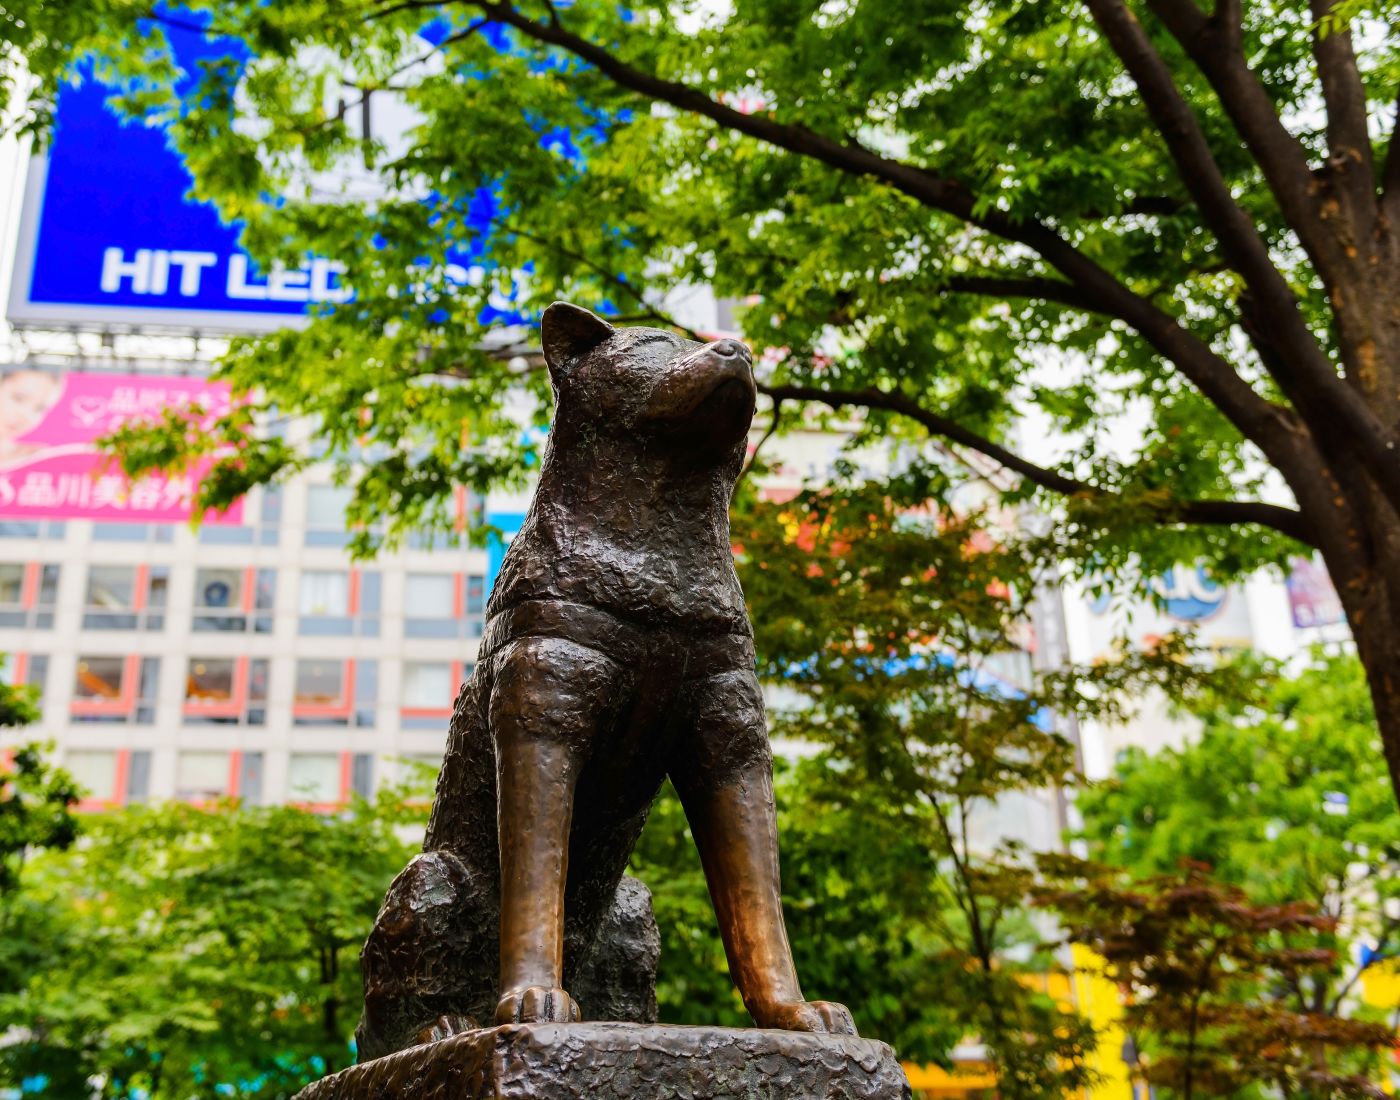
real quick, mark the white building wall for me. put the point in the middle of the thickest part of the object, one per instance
(279, 739)
(1256, 614)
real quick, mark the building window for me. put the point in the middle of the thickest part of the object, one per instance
(202, 776)
(138, 776)
(315, 778)
(34, 529)
(115, 689)
(11, 585)
(226, 691)
(326, 780)
(28, 594)
(444, 605)
(468, 513)
(429, 689)
(362, 774)
(1013, 666)
(249, 769)
(434, 539)
(428, 604)
(332, 692)
(110, 778)
(325, 515)
(133, 532)
(325, 594)
(265, 531)
(126, 597)
(30, 670)
(96, 774)
(234, 600)
(339, 602)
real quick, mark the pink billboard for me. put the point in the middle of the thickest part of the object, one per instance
(51, 467)
(1311, 597)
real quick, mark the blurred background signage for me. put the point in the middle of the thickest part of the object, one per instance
(109, 239)
(50, 466)
(1188, 593)
(1311, 597)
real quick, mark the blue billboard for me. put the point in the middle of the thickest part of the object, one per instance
(108, 237)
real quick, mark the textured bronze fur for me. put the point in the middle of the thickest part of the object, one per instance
(617, 652)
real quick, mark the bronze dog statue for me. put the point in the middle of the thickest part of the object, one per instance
(617, 652)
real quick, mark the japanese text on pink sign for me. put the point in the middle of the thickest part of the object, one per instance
(51, 467)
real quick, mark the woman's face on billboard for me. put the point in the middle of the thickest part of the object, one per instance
(25, 396)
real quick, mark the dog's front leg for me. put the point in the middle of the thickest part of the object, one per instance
(547, 703)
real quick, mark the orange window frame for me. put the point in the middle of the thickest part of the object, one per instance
(29, 587)
(229, 708)
(117, 797)
(347, 776)
(341, 708)
(124, 703)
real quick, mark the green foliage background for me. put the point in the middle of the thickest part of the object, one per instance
(852, 288)
(1286, 797)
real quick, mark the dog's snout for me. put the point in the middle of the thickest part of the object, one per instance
(729, 349)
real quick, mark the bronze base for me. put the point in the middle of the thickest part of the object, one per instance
(610, 1061)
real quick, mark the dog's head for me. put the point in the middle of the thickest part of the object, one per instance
(640, 382)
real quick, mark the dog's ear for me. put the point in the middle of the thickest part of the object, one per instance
(569, 332)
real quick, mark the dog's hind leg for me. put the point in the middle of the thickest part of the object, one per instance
(429, 962)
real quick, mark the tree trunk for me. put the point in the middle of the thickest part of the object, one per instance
(1368, 595)
(1361, 538)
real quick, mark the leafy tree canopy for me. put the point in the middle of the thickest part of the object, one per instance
(36, 815)
(955, 220)
(1286, 796)
(531, 116)
(899, 659)
(186, 951)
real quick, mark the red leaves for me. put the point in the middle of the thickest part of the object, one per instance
(1224, 992)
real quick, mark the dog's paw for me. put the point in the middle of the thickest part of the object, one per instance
(536, 1005)
(827, 1017)
(444, 1026)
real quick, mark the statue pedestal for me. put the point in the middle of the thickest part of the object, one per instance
(609, 1061)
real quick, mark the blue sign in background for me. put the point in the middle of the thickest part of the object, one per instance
(110, 235)
(113, 184)
(110, 238)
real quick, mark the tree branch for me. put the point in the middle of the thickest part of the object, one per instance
(1160, 205)
(1228, 15)
(1153, 205)
(1239, 237)
(1210, 512)
(1377, 954)
(1293, 355)
(1256, 418)
(1348, 139)
(176, 24)
(1216, 48)
(607, 275)
(773, 422)
(1008, 286)
(401, 6)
